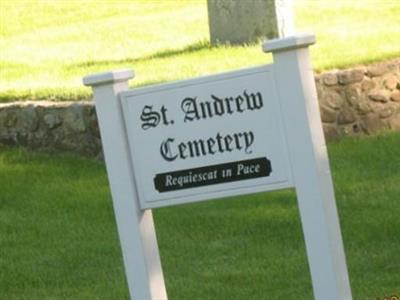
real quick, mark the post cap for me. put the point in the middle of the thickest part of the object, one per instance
(289, 43)
(108, 77)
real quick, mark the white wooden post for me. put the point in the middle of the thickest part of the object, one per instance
(135, 227)
(297, 94)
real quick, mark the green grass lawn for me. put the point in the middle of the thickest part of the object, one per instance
(46, 47)
(58, 238)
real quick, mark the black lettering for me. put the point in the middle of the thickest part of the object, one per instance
(196, 148)
(228, 140)
(210, 144)
(165, 150)
(248, 141)
(219, 142)
(228, 105)
(239, 101)
(218, 106)
(206, 110)
(164, 115)
(254, 101)
(149, 117)
(237, 137)
(189, 107)
(182, 147)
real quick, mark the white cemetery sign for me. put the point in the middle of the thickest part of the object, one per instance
(247, 131)
(206, 138)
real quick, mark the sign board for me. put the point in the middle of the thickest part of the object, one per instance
(206, 138)
(246, 131)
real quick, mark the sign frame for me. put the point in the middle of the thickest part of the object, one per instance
(309, 165)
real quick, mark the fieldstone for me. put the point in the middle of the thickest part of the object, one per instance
(377, 70)
(330, 79)
(379, 95)
(394, 66)
(372, 124)
(9, 119)
(350, 130)
(332, 99)
(356, 128)
(368, 85)
(386, 111)
(330, 132)
(352, 95)
(38, 139)
(346, 116)
(363, 107)
(394, 122)
(328, 115)
(320, 91)
(395, 96)
(378, 82)
(93, 125)
(58, 137)
(90, 145)
(28, 118)
(3, 118)
(21, 138)
(52, 120)
(73, 119)
(351, 76)
(390, 82)
(100, 155)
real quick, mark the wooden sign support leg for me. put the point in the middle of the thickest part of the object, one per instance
(135, 227)
(310, 166)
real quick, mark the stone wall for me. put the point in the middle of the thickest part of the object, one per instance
(51, 126)
(356, 101)
(361, 100)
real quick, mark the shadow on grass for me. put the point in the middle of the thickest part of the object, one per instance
(198, 46)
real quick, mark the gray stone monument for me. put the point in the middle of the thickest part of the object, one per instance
(247, 21)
